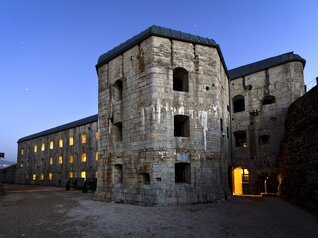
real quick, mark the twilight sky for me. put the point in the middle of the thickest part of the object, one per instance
(49, 48)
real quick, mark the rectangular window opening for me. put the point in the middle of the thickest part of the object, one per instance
(240, 139)
(182, 173)
(118, 173)
(181, 126)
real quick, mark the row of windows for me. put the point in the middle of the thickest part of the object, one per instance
(241, 141)
(70, 175)
(60, 143)
(71, 158)
(239, 102)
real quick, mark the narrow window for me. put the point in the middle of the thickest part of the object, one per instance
(96, 136)
(118, 173)
(96, 156)
(22, 151)
(43, 147)
(61, 143)
(71, 174)
(221, 124)
(182, 173)
(35, 148)
(145, 178)
(83, 174)
(269, 99)
(83, 157)
(240, 139)
(245, 175)
(71, 140)
(51, 160)
(96, 174)
(118, 131)
(238, 103)
(34, 177)
(51, 145)
(227, 132)
(71, 159)
(83, 138)
(117, 92)
(264, 139)
(42, 176)
(60, 159)
(180, 80)
(50, 176)
(181, 126)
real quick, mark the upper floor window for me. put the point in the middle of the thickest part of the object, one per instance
(83, 157)
(96, 136)
(35, 148)
(43, 147)
(264, 139)
(180, 80)
(238, 103)
(118, 131)
(51, 145)
(83, 138)
(71, 140)
(96, 156)
(240, 139)
(60, 159)
(182, 173)
(51, 160)
(60, 143)
(22, 151)
(269, 99)
(117, 92)
(181, 126)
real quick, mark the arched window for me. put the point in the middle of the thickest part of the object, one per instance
(238, 103)
(269, 99)
(181, 126)
(118, 90)
(180, 80)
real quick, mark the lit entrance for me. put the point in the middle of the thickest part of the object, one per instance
(240, 177)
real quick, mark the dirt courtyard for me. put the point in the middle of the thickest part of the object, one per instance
(35, 211)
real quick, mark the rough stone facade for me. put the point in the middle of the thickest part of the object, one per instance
(161, 144)
(261, 94)
(53, 156)
(298, 164)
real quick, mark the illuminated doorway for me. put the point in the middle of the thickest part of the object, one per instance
(240, 177)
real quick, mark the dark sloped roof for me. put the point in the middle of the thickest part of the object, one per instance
(264, 64)
(161, 32)
(67, 126)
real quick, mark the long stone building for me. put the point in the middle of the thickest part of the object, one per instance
(174, 126)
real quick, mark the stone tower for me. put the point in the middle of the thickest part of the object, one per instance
(164, 119)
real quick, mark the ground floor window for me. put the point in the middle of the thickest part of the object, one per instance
(182, 173)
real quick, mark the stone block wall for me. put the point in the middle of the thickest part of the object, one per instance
(298, 163)
(140, 165)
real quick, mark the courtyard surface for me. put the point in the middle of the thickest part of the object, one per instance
(36, 211)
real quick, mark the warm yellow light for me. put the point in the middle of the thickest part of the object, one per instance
(42, 176)
(35, 148)
(60, 159)
(43, 147)
(237, 181)
(83, 138)
(71, 141)
(96, 135)
(71, 160)
(83, 157)
(51, 145)
(51, 160)
(96, 174)
(34, 177)
(96, 156)
(83, 174)
(70, 174)
(22, 151)
(50, 176)
(60, 143)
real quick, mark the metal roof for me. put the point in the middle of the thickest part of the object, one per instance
(67, 126)
(161, 32)
(264, 64)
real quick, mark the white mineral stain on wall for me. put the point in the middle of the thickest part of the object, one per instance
(203, 116)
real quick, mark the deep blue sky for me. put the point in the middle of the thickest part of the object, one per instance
(49, 48)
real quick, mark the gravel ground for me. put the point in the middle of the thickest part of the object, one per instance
(35, 211)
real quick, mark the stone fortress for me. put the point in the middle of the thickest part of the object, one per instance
(174, 126)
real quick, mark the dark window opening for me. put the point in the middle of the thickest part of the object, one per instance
(180, 80)
(238, 103)
(118, 131)
(240, 139)
(264, 139)
(181, 126)
(227, 132)
(182, 173)
(221, 124)
(269, 99)
(145, 178)
(118, 90)
(118, 173)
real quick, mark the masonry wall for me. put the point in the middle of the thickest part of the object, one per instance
(140, 167)
(284, 84)
(298, 164)
(36, 167)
